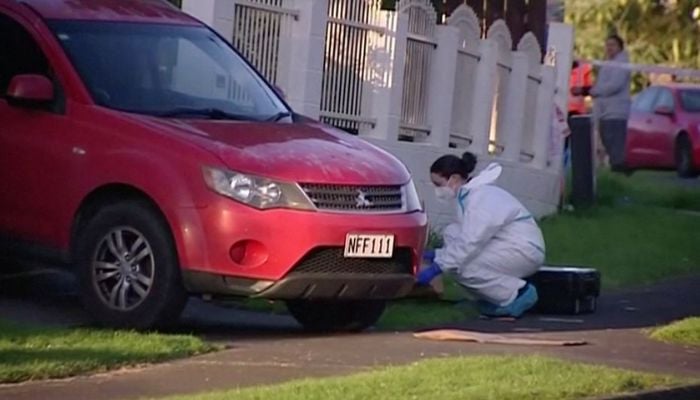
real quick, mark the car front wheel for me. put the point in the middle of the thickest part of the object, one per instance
(336, 316)
(128, 268)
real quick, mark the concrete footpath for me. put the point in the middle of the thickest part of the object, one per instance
(267, 349)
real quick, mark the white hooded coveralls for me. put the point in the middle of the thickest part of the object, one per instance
(495, 242)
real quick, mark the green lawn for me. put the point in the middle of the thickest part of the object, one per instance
(639, 233)
(473, 378)
(686, 332)
(630, 245)
(32, 353)
(654, 189)
(409, 314)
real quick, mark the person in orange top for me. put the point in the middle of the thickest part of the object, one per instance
(581, 76)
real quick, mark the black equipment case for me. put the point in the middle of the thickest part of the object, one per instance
(566, 289)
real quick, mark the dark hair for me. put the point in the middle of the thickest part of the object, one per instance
(449, 165)
(618, 39)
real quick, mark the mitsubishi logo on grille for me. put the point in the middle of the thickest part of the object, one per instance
(362, 200)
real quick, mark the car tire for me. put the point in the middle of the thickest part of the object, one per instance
(128, 268)
(684, 158)
(336, 316)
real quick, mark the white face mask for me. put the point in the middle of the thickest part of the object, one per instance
(445, 193)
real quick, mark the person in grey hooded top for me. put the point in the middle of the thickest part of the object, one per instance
(611, 94)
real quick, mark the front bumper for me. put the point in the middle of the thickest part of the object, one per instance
(292, 242)
(305, 286)
(321, 274)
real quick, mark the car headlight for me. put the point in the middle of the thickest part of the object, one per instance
(255, 191)
(413, 202)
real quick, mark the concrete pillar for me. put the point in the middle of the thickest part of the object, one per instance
(308, 39)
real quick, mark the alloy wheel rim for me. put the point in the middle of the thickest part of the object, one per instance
(123, 269)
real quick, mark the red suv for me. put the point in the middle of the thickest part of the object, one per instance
(137, 146)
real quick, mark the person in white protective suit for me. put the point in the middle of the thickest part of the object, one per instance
(494, 244)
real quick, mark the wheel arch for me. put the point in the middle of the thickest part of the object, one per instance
(106, 194)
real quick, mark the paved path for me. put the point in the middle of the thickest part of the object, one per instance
(268, 349)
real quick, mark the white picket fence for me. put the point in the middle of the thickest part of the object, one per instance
(352, 28)
(416, 88)
(420, 46)
(261, 31)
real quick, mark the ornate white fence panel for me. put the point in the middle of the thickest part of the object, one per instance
(419, 54)
(352, 28)
(261, 31)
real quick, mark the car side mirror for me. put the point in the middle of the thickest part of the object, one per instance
(31, 91)
(664, 110)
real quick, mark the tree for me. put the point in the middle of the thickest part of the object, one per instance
(662, 32)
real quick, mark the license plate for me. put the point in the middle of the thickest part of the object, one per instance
(369, 246)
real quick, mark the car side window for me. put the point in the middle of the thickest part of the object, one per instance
(665, 99)
(19, 53)
(645, 100)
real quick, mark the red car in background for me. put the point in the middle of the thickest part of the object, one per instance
(663, 131)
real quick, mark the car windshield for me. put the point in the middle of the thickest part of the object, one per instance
(690, 100)
(166, 70)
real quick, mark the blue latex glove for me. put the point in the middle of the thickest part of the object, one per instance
(429, 256)
(427, 275)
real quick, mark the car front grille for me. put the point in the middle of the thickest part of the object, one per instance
(332, 261)
(347, 198)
